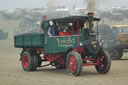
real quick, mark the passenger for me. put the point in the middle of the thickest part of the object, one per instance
(42, 23)
(52, 30)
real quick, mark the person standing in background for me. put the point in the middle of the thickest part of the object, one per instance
(42, 23)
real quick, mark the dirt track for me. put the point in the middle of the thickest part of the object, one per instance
(11, 72)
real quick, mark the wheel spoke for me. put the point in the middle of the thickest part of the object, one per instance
(25, 61)
(72, 64)
(102, 62)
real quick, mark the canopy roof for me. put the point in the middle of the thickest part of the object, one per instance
(73, 18)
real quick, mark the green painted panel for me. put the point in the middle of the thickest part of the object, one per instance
(64, 43)
(29, 40)
(37, 40)
(18, 41)
(48, 47)
(61, 44)
(84, 34)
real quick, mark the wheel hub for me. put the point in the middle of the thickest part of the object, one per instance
(71, 63)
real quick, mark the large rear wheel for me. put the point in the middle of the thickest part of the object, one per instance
(29, 61)
(104, 62)
(74, 63)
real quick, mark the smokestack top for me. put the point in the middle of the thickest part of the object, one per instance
(90, 14)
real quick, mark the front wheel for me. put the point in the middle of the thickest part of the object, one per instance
(74, 63)
(104, 62)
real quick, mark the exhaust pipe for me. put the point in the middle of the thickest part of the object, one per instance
(90, 20)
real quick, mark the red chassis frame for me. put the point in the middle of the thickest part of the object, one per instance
(59, 57)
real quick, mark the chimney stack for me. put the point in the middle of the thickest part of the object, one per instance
(90, 20)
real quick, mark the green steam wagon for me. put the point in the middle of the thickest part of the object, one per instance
(75, 46)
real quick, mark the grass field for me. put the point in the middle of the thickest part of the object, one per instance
(11, 72)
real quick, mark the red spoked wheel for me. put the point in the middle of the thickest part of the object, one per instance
(25, 61)
(29, 61)
(104, 62)
(74, 63)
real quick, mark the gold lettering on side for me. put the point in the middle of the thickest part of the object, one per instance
(66, 41)
(73, 40)
(58, 40)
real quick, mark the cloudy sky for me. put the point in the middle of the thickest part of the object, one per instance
(9, 4)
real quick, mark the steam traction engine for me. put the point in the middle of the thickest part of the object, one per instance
(72, 49)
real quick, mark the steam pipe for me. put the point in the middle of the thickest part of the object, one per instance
(90, 20)
(78, 31)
